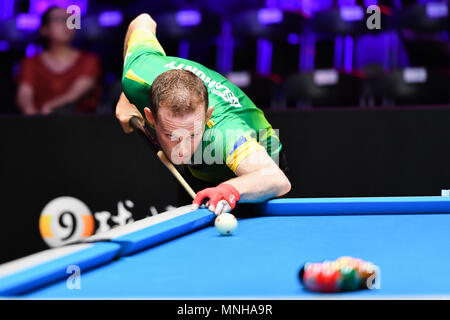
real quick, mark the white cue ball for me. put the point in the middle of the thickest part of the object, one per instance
(225, 223)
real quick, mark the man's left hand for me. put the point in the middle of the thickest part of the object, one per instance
(222, 198)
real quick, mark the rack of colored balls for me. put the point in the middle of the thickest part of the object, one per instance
(343, 274)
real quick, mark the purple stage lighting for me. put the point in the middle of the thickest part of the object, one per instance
(39, 6)
(183, 49)
(293, 38)
(110, 18)
(28, 21)
(352, 13)
(343, 3)
(225, 48)
(348, 53)
(437, 10)
(264, 56)
(188, 18)
(4, 45)
(368, 3)
(270, 16)
(6, 9)
(32, 49)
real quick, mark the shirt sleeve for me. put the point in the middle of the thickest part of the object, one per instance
(237, 141)
(142, 42)
(140, 66)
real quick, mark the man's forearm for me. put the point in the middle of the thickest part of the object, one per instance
(143, 21)
(261, 185)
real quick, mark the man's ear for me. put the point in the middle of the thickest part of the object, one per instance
(150, 117)
(209, 113)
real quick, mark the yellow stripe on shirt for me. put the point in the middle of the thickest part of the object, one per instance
(133, 76)
(242, 152)
(140, 36)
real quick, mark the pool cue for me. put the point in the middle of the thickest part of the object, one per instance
(142, 131)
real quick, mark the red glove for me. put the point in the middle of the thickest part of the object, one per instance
(223, 191)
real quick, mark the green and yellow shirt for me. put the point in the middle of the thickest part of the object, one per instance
(237, 127)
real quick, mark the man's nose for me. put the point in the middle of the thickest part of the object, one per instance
(185, 147)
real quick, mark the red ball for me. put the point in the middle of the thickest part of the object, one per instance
(329, 280)
(320, 278)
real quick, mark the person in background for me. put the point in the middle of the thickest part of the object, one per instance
(61, 79)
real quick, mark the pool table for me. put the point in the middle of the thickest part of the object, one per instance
(179, 254)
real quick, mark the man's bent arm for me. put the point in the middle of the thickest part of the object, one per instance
(143, 21)
(124, 109)
(259, 178)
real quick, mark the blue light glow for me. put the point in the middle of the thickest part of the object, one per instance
(28, 21)
(183, 49)
(110, 18)
(187, 18)
(32, 49)
(39, 6)
(368, 3)
(293, 38)
(338, 51)
(436, 10)
(352, 13)
(348, 53)
(270, 16)
(264, 56)
(342, 3)
(4, 45)
(225, 48)
(6, 9)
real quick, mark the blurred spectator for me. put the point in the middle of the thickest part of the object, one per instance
(61, 79)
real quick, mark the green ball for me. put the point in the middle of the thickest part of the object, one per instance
(351, 279)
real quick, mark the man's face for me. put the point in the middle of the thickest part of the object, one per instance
(179, 136)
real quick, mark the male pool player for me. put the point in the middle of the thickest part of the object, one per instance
(202, 122)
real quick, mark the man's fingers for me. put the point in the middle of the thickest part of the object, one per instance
(125, 122)
(201, 195)
(124, 119)
(213, 201)
(196, 206)
(222, 192)
(222, 207)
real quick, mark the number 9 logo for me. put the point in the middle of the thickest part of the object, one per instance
(65, 219)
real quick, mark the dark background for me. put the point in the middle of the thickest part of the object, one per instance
(280, 58)
(369, 133)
